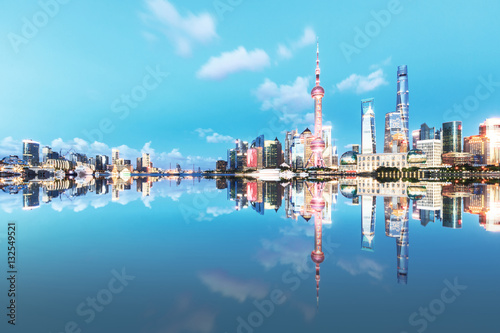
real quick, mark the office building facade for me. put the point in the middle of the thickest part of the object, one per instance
(368, 139)
(452, 137)
(31, 152)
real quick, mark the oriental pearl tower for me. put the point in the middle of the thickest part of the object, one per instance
(317, 93)
(317, 205)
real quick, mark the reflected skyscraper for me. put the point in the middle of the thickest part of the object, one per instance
(368, 141)
(31, 196)
(452, 212)
(396, 226)
(403, 104)
(402, 243)
(368, 206)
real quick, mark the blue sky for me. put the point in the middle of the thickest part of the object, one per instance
(234, 69)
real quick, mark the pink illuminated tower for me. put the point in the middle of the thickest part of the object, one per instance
(317, 205)
(317, 145)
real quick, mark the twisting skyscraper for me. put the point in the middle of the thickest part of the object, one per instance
(403, 103)
(317, 93)
(368, 143)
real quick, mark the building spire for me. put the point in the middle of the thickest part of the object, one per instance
(317, 62)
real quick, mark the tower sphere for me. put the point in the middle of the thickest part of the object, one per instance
(317, 91)
(318, 145)
(318, 258)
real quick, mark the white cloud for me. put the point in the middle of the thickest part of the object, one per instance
(9, 146)
(284, 52)
(183, 31)
(77, 145)
(128, 153)
(235, 61)
(307, 38)
(218, 211)
(213, 137)
(362, 266)
(287, 250)
(99, 148)
(290, 100)
(232, 287)
(203, 132)
(362, 84)
(175, 154)
(385, 62)
(219, 138)
(147, 149)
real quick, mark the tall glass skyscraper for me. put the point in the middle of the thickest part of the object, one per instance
(452, 137)
(403, 103)
(394, 139)
(368, 143)
(491, 130)
(31, 152)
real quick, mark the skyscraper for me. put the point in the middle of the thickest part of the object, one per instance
(479, 147)
(272, 153)
(416, 137)
(368, 142)
(394, 139)
(101, 161)
(491, 129)
(403, 104)
(329, 151)
(433, 149)
(115, 156)
(452, 137)
(146, 162)
(31, 152)
(46, 153)
(426, 132)
(317, 93)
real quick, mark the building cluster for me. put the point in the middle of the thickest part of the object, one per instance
(34, 193)
(71, 160)
(259, 154)
(430, 202)
(431, 148)
(301, 151)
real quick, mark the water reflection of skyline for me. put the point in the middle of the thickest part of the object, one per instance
(430, 202)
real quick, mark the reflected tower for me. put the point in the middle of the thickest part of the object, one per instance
(396, 226)
(403, 248)
(317, 205)
(368, 206)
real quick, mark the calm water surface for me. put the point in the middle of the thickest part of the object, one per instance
(202, 255)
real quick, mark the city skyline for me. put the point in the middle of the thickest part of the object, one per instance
(286, 68)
